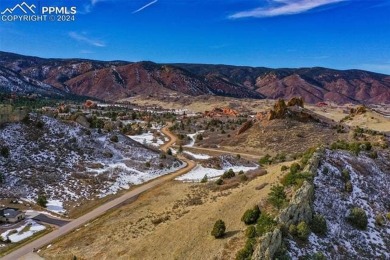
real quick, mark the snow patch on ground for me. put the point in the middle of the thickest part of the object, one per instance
(20, 234)
(55, 206)
(192, 136)
(196, 174)
(148, 139)
(125, 176)
(198, 156)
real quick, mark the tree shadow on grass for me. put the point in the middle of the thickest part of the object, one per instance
(231, 233)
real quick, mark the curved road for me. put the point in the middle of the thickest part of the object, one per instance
(40, 242)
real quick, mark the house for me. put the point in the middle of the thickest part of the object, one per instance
(11, 215)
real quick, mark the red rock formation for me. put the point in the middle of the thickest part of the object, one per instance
(219, 112)
(245, 127)
(90, 104)
(295, 101)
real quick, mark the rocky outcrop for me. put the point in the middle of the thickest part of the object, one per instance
(220, 112)
(268, 245)
(358, 111)
(296, 101)
(299, 209)
(245, 127)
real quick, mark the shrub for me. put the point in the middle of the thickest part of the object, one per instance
(284, 168)
(295, 178)
(163, 156)
(345, 175)
(379, 220)
(348, 186)
(307, 155)
(265, 224)
(243, 178)
(373, 155)
(318, 225)
(114, 138)
(325, 170)
(4, 151)
(388, 216)
(303, 231)
(204, 179)
(277, 196)
(169, 151)
(250, 232)
(218, 229)
(219, 181)
(251, 216)
(292, 229)
(228, 174)
(280, 157)
(2, 178)
(295, 167)
(358, 218)
(265, 160)
(318, 256)
(147, 164)
(40, 124)
(241, 172)
(247, 251)
(161, 165)
(42, 201)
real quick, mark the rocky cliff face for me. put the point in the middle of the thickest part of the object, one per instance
(299, 209)
(117, 79)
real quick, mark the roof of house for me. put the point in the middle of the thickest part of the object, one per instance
(10, 212)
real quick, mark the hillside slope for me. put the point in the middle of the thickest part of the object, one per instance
(70, 163)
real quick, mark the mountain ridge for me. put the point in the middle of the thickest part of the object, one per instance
(114, 80)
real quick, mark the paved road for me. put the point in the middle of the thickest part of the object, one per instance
(45, 240)
(49, 220)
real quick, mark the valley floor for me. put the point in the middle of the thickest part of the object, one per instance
(172, 221)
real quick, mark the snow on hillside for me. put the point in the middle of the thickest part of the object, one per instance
(68, 162)
(370, 179)
(148, 139)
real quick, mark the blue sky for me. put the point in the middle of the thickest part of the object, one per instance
(340, 34)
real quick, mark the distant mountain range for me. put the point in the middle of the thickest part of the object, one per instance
(119, 79)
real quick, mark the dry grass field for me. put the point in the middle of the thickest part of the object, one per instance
(173, 221)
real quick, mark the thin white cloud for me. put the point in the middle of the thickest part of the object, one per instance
(145, 6)
(284, 7)
(82, 37)
(88, 7)
(380, 67)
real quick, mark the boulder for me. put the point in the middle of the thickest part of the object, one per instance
(295, 101)
(268, 245)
